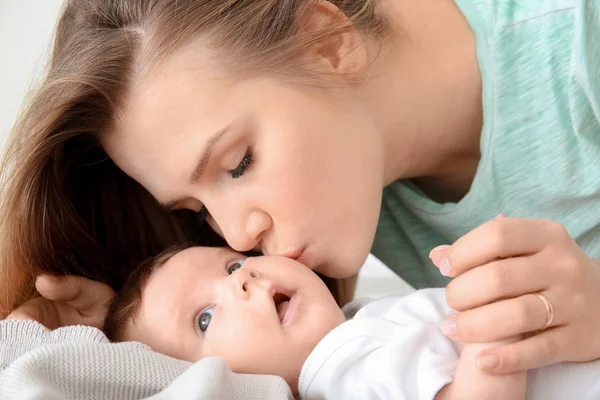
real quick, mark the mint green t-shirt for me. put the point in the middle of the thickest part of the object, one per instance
(540, 143)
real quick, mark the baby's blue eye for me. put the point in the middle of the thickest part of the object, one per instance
(235, 266)
(203, 319)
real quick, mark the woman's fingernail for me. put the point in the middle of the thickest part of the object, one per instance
(448, 327)
(445, 267)
(436, 253)
(488, 362)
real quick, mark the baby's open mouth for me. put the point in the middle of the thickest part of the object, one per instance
(282, 302)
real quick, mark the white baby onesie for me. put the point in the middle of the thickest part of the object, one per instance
(393, 349)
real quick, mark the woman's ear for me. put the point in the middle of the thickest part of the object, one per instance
(338, 47)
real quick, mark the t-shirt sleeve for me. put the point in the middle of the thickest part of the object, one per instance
(392, 349)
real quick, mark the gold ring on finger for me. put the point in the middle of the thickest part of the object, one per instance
(549, 310)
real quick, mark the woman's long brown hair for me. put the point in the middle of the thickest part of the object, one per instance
(65, 206)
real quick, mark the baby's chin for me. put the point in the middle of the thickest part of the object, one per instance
(292, 372)
(292, 378)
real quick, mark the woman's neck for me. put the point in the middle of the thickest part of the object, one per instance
(425, 95)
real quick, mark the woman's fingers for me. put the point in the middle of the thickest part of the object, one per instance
(38, 309)
(502, 319)
(76, 300)
(56, 288)
(537, 351)
(500, 238)
(78, 292)
(499, 279)
(501, 269)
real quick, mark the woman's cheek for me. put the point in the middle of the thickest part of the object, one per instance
(215, 227)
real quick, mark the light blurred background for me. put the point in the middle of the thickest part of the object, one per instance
(26, 28)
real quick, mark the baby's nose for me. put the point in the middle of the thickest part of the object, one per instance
(244, 279)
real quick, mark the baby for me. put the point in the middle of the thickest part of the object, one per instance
(272, 315)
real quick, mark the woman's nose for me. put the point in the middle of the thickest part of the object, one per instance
(247, 232)
(244, 281)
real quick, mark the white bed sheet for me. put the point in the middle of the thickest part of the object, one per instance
(376, 280)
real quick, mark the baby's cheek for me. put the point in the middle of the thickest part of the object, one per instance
(255, 359)
(232, 358)
(240, 345)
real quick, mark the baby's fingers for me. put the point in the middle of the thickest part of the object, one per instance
(537, 351)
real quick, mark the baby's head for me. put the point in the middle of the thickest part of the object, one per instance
(263, 315)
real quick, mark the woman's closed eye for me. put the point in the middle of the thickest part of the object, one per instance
(203, 320)
(202, 214)
(243, 166)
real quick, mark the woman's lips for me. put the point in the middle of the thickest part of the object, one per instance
(294, 255)
(299, 255)
(303, 259)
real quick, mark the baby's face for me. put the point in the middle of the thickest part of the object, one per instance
(263, 315)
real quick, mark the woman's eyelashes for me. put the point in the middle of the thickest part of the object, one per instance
(235, 173)
(231, 268)
(243, 166)
(203, 214)
(203, 320)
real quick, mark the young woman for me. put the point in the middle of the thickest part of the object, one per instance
(319, 130)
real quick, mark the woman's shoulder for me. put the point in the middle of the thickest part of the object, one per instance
(503, 13)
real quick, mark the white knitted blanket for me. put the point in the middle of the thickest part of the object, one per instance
(78, 362)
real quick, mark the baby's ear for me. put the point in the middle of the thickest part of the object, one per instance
(338, 49)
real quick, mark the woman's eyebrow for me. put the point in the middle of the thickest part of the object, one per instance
(205, 155)
(201, 165)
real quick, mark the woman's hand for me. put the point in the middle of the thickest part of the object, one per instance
(499, 269)
(69, 300)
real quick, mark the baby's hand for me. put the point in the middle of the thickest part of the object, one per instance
(69, 300)
(470, 383)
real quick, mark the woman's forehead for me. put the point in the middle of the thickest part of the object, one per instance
(162, 122)
(170, 97)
